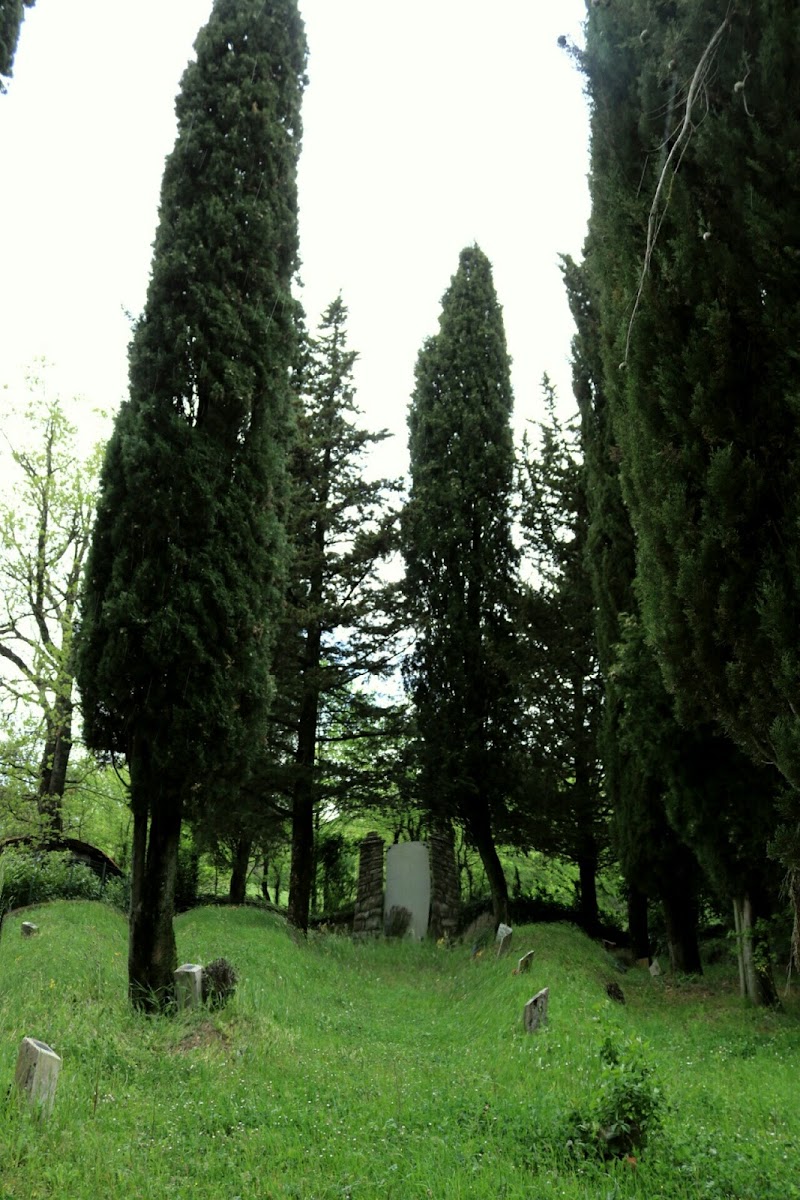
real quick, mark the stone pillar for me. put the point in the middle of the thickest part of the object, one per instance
(445, 893)
(189, 986)
(368, 917)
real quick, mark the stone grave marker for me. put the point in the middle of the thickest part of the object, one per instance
(525, 963)
(37, 1073)
(189, 986)
(655, 968)
(503, 939)
(535, 1013)
(28, 929)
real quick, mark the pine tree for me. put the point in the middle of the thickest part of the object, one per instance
(568, 813)
(12, 14)
(339, 625)
(461, 565)
(186, 571)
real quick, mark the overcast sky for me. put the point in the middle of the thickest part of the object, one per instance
(428, 125)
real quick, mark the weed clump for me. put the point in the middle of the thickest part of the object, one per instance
(398, 922)
(626, 1111)
(219, 982)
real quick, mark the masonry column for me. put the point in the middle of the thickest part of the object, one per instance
(368, 918)
(445, 892)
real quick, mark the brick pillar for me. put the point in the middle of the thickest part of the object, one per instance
(368, 917)
(445, 893)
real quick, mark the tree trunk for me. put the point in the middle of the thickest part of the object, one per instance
(752, 951)
(265, 878)
(589, 913)
(301, 874)
(152, 954)
(237, 889)
(479, 829)
(638, 927)
(53, 767)
(680, 918)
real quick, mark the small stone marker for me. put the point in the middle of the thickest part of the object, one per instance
(643, 962)
(655, 968)
(28, 929)
(535, 1014)
(525, 963)
(189, 986)
(37, 1073)
(503, 939)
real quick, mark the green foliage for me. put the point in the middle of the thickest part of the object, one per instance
(625, 1111)
(705, 411)
(185, 577)
(38, 876)
(461, 563)
(12, 14)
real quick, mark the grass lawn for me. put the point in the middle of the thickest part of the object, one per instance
(382, 1069)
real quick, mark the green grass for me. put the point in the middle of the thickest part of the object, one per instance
(378, 1069)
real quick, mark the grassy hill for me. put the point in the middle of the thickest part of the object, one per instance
(385, 1069)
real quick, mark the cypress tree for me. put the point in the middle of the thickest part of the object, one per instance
(704, 408)
(186, 571)
(12, 14)
(461, 565)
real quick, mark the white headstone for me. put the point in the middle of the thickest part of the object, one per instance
(655, 967)
(189, 986)
(408, 883)
(535, 1012)
(502, 931)
(37, 1072)
(504, 942)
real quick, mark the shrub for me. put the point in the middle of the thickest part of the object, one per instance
(219, 982)
(34, 877)
(625, 1112)
(397, 922)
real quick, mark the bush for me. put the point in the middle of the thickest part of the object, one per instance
(625, 1112)
(219, 982)
(34, 877)
(397, 922)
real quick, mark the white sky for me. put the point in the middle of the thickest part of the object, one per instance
(427, 126)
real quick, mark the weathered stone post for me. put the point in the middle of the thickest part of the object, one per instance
(535, 1012)
(368, 918)
(445, 893)
(37, 1073)
(28, 929)
(189, 986)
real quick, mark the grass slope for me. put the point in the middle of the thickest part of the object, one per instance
(378, 1070)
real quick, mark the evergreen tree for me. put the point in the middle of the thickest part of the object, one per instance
(696, 194)
(186, 570)
(567, 810)
(461, 565)
(12, 14)
(339, 624)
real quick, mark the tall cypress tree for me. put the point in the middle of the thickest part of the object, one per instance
(12, 14)
(186, 571)
(461, 564)
(696, 177)
(697, 374)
